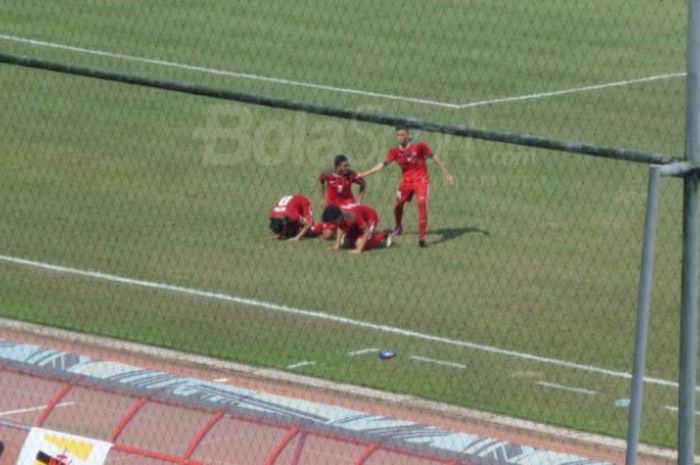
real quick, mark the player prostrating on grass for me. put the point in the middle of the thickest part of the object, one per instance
(411, 156)
(291, 217)
(356, 224)
(335, 187)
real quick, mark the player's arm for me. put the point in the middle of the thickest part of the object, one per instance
(338, 240)
(308, 215)
(375, 169)
(361, 241)
(449, 179)
(304, 230)
(322, 188)
(361, 196)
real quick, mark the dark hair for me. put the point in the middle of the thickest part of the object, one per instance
(331, 214)
(401, 128)
(277, 225)
(340, 159)
(284, 227)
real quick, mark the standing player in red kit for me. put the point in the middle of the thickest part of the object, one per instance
(336, 189)
(415, 180)
(357, 224)
(291, 217)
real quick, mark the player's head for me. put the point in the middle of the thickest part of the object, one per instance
(402, 134)
(332, 214)
(283, 227)
(342, 165)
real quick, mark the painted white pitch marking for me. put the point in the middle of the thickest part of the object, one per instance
(221, 380)
(562, 387)
(345, 90)
(33, 409)
(334, 318)
(220, 72)
(672, 408)
(438, 362)
(573, 90)
(305, 363)
(362, 352)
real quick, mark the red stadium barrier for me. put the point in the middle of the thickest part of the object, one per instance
(127, 418)
(365, 455)
(200, 435)
(52, 404)
(277, 451)
(136, 408)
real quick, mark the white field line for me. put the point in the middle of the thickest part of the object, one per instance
(345, 90)
(9, 413)
(438, 362)
(305, 363)
(334, 318)
(221, 380)
(562, 387)
(672, 408)
(383, 397)
(220, 72)
(362, 352)
(572, 90)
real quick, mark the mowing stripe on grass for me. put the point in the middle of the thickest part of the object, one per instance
(562, 387)
(330, 317)
(345, 90)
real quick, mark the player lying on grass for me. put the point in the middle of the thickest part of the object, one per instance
(291, 218)
(411, 156)
(356, 224)
(335, 187)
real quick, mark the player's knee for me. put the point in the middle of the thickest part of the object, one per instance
(328, 234)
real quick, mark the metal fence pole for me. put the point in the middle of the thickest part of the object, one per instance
(643, 305)
(689, 291)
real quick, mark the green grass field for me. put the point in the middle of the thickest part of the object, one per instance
(533, 252)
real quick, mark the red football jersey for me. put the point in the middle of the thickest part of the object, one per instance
(339, 188)
(358, 217)
(295, 207)
(411, 159)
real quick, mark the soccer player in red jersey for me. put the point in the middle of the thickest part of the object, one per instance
(336, 189)
(291, 217)
(357, 224)
(415, 180)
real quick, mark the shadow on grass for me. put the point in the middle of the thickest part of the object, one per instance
(448, 234)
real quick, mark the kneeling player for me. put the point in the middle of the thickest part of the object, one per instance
(291, 218)
(356, 224)
(336, 189)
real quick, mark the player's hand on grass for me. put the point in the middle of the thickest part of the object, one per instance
(450, 180)
(355, 252)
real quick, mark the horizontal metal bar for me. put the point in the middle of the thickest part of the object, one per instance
(526, 140)
(675, 169)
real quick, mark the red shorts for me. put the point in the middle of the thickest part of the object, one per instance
(406, 191)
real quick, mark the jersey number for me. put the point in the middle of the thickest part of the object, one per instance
(284, 201)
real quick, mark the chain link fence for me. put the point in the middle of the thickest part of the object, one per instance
(143, 214)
